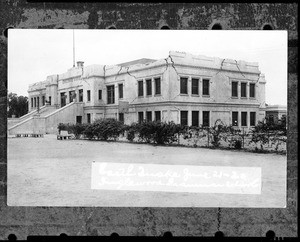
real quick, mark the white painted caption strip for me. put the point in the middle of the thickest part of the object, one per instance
(176, 178)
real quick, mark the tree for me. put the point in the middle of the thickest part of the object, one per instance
(17, 105)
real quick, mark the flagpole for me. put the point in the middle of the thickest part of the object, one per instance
(73, 49)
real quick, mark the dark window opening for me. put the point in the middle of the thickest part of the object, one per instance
(195, 86)
(235, 118)
(110, 94)
(141, 117)
(63, 98)
(234, 89)
(120, 91)
(88, 95)
(80, 95)
(140, 89)
(205, 115)
(88, 118)
(50, 100)
(78, 119)
(244, 118)
(205, 86)
(121, 117)
(195, 118)
(183, 85)
(157, 85)
(99, 94)
(149, 86)
(157, 115)
(149, 116)
(252, 90)
(32, 102)
(184, 117)
(71, 96)
(38, 101)
(43, 100)
(243, 89)
(252, 118)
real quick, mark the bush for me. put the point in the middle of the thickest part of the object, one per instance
(156, 132)
(105, 129)
(62, 126)
(77, 129)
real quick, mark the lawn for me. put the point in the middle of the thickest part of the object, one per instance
(50, 172)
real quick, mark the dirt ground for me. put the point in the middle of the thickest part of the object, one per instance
(50, 172)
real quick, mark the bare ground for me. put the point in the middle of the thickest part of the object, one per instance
(50, 172)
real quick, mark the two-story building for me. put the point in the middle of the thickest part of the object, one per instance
(184, 88)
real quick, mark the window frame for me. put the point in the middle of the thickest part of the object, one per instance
(121, 90)
(194, 112)
(251, 119)
(108, 91)
(244, 84)
(192, 86)
(148, 87)
(140, 117)
(88, 95)
(155, 116)
(244, 119)
(99, 94)
(185, 86)
(80, 95)
(254, 92)
(140, 88)
(186, 118)
(237, 89)
(147, 118)
(208, 118)
(205, 80)
(237, 118)
(156, 81)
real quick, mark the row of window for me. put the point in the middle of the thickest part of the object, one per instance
(157, 116)
(35, 101)
(234, 89)
(157, 87)
(206, 118)
(194, 87)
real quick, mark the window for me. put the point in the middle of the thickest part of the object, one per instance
(205, 119)
(195, 118)
(149, 87)
(32, 102)
(140, 89)
(141, 117)
(110, 94)
(43, 100)
(184, 117)
(183, 85)
(157, 86)
(149, 116)
(63, 99)
(235, 118)
(205, 86)
(157, 115)
(121, 117)
(234, 89)
(50, 100)
(88, 95)
(252, 118)
(71, 96)
(243, 89)
(195, 86)
(99, 94)
(244, 118)
(120, 91)
(38, 101)
(88, 118)
(252, 90)
(80, 95)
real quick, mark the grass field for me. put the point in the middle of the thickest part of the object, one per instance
(50, 172)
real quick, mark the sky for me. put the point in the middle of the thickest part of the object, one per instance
(34, 54)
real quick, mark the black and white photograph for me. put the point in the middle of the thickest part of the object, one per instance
(147, 118)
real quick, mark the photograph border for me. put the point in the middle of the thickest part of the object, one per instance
(152, 221)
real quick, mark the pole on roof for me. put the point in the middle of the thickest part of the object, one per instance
(73, 49)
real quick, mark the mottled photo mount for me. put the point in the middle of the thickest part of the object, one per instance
(76, 185)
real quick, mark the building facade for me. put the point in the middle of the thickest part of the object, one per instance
(188, 89)
(274, 113)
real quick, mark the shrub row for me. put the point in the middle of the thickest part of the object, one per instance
(168, 132)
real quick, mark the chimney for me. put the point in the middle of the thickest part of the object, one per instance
(80, 64)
